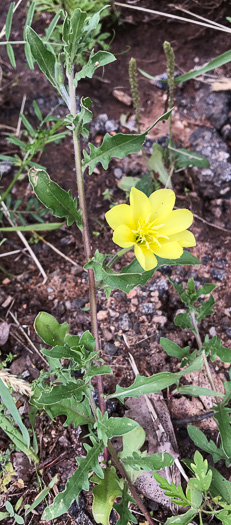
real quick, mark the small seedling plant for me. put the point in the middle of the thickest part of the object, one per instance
(158, 234)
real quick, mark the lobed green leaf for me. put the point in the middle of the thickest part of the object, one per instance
(119, 146)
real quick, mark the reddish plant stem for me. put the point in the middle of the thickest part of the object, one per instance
(133, 491)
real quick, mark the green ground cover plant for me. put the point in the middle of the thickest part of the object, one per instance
(158, 234)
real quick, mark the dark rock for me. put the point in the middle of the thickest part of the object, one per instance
(111, 406)
(228, 331)
(76, 508)
(147, 308)
(79, 302)
(205, 259)
(110, 349)
(125, 323)
(83, 519)
(220, 262)
(219, 275)
(226, 132)
(212, 182)
(98, 125)
(217, 108)
(159, 285)
(166, 270)
(5, 168)
(111, 125)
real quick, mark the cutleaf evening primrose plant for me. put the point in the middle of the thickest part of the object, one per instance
(158, 234)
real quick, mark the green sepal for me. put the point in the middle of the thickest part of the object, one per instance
(58, 201)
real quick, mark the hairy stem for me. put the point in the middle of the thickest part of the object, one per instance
(199, 343)
(133, 491)
(86, 237)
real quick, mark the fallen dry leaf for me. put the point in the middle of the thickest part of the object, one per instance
(4, 332)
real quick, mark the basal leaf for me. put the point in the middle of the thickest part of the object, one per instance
(50, 331)
(119, 146)
(79, 481)
(57, 200)
(105, 493)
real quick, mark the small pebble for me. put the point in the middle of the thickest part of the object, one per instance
(147, 308)
(110, 349)
(118, 173)
(212, 331)
(102, 315)
(219, 275)
(125, 323)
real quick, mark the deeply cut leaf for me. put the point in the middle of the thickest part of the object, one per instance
(79, 481)
(118, 146)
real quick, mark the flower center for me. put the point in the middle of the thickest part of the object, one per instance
(147, 233)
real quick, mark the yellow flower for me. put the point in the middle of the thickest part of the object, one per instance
(151, 226)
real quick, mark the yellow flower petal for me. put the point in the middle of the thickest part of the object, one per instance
(140, 204)
(123, 236)
(185, 238)
(168, 250)
(162, 203)
(145, 257)
(177, 221)
(121, 214)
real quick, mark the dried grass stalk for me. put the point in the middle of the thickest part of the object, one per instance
(18, 385)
